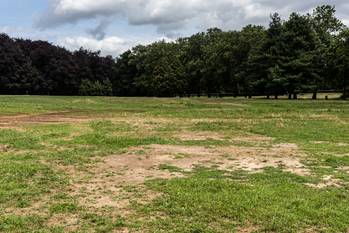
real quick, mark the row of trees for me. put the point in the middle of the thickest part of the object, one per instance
(305, 53)
(38, 67)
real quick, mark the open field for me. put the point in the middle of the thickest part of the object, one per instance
(93, 164)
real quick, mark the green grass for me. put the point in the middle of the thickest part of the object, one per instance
(40, 161)
(23, 179)
(274, 201)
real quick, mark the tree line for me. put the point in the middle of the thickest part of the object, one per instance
(305, 53)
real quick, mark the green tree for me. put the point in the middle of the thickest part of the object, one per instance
(162, 71)
(326, 26)
(95, 88)
(341, 60)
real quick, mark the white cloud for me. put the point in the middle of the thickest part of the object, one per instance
(108, 46)
(169, 16)
(112, 45)
(5, 29)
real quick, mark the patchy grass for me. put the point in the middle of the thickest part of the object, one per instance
(95, 164)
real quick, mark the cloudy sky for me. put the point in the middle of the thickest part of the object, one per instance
(113, 26)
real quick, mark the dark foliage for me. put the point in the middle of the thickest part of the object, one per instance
(305, 53)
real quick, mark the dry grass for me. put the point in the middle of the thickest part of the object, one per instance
(107, 164)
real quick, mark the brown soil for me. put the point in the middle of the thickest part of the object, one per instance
(69, 222)
(56, 117)
(344, 168)
(199, 136)
(3, 148)
(247, 230)
(38, 207)
(254, 138)
(327, 181)
(118, 180)
(106, 183)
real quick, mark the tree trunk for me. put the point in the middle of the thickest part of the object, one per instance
(268, 96)
(314, 96)
(345, 93)
(289, 96)
(295, 96)
(345, 90)
(276, 97)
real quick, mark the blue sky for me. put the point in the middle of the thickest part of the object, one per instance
(18, 19)
(22, 14)
(19, 12)
(113, 26)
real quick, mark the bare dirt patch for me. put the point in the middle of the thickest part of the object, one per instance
(36, 208)
(320, 142)
(286, 156)
(108, 182)
(327, 181)
(255, 159)
(327, 117)
(69, 222)
(339, 144)
(3, 148)
(56, 117)
(199, 136)
(117, 181)
(247, 229)
(254, 138)
(344, 169)
(145, 123)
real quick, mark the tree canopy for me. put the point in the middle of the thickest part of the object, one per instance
(304, 53)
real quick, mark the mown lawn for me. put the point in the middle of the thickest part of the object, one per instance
(95, 164)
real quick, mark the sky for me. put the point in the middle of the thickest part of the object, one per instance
(113, 26)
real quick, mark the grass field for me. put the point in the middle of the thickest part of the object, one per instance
(93, 164)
